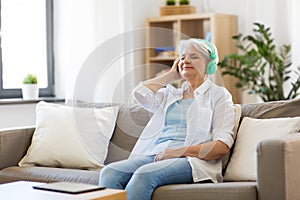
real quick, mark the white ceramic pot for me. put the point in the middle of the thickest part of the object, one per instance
(30, 91)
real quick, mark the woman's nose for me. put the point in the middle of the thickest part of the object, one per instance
(186, 60)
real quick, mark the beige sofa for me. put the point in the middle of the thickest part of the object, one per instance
(278, 159)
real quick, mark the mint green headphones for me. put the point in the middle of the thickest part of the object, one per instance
(211, 67)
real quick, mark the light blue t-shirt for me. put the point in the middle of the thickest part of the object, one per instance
(174, 131)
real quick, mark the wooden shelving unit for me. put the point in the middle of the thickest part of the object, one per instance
(166, 31)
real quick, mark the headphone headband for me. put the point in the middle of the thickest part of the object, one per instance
(210, 48)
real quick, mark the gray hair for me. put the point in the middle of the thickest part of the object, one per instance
(202, 46)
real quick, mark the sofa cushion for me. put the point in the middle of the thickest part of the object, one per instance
(272, 109)
(242, 165)
(70, 137)
(14, 144)
(48, 174)
(207, 191)
(130, 123)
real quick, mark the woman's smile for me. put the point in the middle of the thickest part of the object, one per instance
(188, 67)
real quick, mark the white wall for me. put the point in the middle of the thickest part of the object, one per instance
(17, 115)
(294, 31)
(272, 13)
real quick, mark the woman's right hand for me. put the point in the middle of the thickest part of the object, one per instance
(156, 83)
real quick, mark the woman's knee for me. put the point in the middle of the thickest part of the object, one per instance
(112, 178)
(144, 176)
(106, 174)
(142, 184)
(107, 171)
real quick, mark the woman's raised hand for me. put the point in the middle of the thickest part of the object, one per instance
(175, 66)
(156, 83)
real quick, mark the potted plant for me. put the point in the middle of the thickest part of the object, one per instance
(261, 67)
(176, 7)
(30, 89)
(170, 2)
(184, 2)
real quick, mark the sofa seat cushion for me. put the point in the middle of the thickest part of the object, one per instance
(48, 174)
(207, 191)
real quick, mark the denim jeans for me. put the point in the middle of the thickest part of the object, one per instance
(139, 177)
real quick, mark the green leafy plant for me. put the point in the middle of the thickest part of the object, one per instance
(261, 67)
(184, 2)
(170, 2)
(30, 79)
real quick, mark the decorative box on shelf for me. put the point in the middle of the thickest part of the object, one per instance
(177, 10)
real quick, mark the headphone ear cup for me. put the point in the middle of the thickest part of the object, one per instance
(211, 67)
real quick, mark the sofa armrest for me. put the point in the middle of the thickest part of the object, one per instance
(14, 143)
(278, 168)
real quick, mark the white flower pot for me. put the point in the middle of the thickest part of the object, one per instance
(30, 91)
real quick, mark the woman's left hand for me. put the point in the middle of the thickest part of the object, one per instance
(170, 153)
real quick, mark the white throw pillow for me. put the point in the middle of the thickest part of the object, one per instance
(242, 164)
(70, 137)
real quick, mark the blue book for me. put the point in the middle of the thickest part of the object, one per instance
(166, 48)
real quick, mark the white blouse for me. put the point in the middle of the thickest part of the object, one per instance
(210, 117)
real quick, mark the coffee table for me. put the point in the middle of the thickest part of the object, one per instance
(23, 190)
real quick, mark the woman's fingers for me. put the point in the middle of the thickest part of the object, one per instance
(156, 158)
(175, 64)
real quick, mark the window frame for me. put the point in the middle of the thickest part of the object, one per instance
(43, 92)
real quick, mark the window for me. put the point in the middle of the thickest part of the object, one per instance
(26, 45)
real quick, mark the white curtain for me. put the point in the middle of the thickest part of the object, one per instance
(74, 39)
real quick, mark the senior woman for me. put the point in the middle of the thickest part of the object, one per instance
(190, 131)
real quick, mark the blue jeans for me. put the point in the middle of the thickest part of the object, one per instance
(139, 177)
